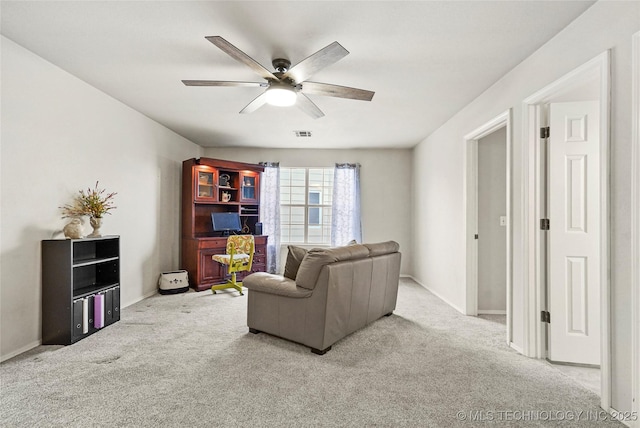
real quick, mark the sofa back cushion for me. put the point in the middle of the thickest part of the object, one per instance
(317, 258)
(381, 248)
(294, 258)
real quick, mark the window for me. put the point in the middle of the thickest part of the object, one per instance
(305, 205)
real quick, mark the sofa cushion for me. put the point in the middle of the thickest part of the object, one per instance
(274, 284)
(381, 248)
(294, 258)
(316, 258)
(350, 252)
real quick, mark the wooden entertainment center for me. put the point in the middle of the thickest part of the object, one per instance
(215, 185)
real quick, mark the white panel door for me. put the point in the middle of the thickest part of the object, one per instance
(574, 235)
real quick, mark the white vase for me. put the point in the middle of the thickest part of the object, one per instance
(96, 223)
(73, 229)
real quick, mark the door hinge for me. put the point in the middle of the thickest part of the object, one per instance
(545, 224)
(545, 316)
(545, 132)
(476, 236)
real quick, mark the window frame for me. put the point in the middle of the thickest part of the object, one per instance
(306, 206)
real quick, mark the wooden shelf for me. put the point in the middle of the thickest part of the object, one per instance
(86, 291)
(89, 262)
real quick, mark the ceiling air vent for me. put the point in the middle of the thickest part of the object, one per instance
(302, 133)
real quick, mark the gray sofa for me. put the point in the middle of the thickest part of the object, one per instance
(336, 291)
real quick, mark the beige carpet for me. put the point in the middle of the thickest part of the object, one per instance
(188, 361)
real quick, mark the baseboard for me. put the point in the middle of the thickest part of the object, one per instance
(516, 347)
(629, 420)
(139, 299)
(149, 294)
(20, 351)
(437, 295)
(492, 312)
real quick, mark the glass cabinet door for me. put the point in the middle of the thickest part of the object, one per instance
(205, 184)
(249, 187)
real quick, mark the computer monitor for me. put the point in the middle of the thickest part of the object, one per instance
(226, 222)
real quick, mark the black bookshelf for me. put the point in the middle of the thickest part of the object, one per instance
(80, 287)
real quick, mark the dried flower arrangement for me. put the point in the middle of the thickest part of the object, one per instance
(92, 202)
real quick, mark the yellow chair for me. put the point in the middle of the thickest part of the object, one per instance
(238, 258)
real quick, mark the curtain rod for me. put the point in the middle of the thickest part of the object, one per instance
(347, 165)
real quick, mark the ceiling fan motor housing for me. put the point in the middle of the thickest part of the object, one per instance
(281, 65)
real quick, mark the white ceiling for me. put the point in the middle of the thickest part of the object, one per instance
(424, 60)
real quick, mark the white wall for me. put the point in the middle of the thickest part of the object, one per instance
(60, 135)
(385, 186)
(492, 203)
(438, 173)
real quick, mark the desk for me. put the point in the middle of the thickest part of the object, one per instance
(204, 272)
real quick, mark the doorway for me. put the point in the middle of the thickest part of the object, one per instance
(550, 259)
(492, 223)
(488, 254)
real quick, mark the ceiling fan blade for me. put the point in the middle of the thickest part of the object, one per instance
(222, 83)
(315, 88)
(238, 55)
(316, 62)
(257, 102)
(307, 106)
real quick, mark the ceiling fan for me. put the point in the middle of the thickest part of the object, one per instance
(288, 85)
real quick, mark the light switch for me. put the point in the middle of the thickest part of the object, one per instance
(503, 220)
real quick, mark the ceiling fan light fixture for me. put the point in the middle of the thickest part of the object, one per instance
(281, 96)
(283, 85)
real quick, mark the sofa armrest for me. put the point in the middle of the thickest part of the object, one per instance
(275, 284)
